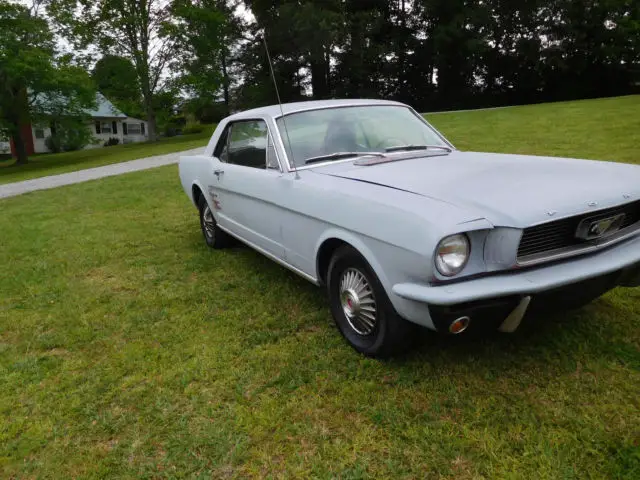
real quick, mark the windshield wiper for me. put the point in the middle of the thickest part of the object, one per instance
(408, 148)
(341, 155)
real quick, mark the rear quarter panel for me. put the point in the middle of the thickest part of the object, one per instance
(193, 170)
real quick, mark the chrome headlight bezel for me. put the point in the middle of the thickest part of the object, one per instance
(450, 264)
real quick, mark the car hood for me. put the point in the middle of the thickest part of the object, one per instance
(507, 190)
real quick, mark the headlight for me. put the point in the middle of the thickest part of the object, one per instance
(452, 254)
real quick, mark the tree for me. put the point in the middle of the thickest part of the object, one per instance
(301, 37)
(117, 79)
(206, 31)
(364, 63)
(593, 48)
(135, 29)
(35, 82)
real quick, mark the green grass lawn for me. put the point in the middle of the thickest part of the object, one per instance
(585, 129)
(602, 129)
(53, 164)
(128, 349)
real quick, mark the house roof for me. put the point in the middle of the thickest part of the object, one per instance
(136, 120)
(104, 108)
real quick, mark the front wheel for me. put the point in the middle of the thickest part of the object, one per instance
(361, 309)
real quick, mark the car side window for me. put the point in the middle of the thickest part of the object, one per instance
(247, 145)
(221, 149)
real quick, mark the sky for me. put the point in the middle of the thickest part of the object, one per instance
(64, 46)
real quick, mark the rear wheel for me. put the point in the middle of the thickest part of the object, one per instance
(361, 309)
(213, 235)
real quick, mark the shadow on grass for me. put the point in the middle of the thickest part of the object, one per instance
(544, 347)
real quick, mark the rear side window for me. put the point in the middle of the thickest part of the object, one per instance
(221, 148)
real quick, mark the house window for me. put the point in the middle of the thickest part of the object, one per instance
(39, 133)
(133, 128)
(105, 127)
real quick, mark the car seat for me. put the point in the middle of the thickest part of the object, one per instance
(340, 137)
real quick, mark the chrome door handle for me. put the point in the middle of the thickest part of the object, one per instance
(218, 172)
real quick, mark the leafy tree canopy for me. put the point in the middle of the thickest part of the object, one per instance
(116, 78)
(36, 83)
(135, 29)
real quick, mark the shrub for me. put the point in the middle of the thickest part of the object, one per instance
(192, 128)
(74, 139)
(53, 143)
(171, 130)
(111, 142)
(70, 134)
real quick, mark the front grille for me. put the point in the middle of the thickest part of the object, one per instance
(561, 234)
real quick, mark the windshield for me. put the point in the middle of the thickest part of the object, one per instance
(318, 133)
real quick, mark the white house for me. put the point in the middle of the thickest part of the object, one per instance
(5, 147)
(106, 122)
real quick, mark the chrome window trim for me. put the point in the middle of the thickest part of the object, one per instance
(230, 124)
(342, 105)
(275, 149)
(425, 121)
(573, 250)
(345, 105)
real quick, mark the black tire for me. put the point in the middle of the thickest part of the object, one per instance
(213, 235)
(390, 334)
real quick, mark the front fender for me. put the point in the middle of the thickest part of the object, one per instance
(391, 264)
(356, 242)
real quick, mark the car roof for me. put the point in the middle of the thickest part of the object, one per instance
(274, 110)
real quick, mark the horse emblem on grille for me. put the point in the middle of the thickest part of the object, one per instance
(591, 229)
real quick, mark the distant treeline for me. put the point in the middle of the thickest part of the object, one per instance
(441, 54)
(176, 61)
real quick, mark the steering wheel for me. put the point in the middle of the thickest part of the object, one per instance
(389, 142)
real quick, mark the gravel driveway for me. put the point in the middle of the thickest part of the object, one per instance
(53, 181)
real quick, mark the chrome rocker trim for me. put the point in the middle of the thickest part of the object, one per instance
(271, 256)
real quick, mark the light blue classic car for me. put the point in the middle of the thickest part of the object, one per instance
(366, 198)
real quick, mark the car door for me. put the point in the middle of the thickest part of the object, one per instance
(245, 188)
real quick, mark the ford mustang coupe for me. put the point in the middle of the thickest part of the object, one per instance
(366, 198)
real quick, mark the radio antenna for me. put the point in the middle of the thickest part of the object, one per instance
(284, 121)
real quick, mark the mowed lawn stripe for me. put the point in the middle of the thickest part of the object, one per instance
(128, 349)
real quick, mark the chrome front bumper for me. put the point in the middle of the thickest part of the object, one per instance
(624, 257)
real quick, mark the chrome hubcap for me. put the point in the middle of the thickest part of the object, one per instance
(358, 301)
(209, 223)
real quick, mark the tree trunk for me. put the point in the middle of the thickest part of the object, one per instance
(151, 119)
(17, 117)
(319, 85)
(20, 146)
